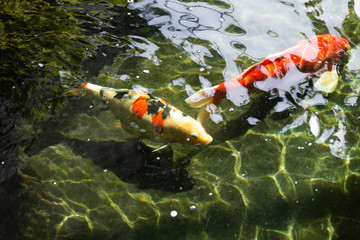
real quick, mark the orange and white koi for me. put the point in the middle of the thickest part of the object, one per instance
(321, 52)
(150, 117)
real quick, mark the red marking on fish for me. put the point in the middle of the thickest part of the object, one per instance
(157, 120)
(308, 56)
(84, 84)
(140, 106)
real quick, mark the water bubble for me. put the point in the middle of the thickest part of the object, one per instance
(295, 182)
(202, 69)
(174, 35)
(310, 144)
(231, 109)
(189, 8)
(297, 201)
(158, 158)
(129, 13)
(173, 213)
(54, 183)
(316, 190)
(198, 51)
(188, 139)
(331, 140)
(105, 170)
(2, 163)
(210, 194)
(91, 106)
(13, 87)
(146, 71)
(193, 207)
(88, 139)
(137, 76)
(222, 20)
(40, 64)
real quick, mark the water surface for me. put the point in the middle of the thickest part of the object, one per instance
(69, 172)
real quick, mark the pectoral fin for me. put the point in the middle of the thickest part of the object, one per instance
(327, 82)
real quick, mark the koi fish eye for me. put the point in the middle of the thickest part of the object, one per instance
(194, 135)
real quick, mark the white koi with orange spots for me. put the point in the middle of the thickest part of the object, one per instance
(151, 117)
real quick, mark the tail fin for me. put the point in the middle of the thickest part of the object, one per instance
(201, 98)
(69, 82)
(202, 115)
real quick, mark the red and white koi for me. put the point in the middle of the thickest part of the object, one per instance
(319, 53)
(149, 116)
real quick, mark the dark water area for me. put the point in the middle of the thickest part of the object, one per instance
(284, 163)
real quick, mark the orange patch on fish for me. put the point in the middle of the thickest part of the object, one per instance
(84, 84)
(158, 121)
(140, 106)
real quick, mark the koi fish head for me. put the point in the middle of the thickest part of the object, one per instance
(188, 130)
(341, 42)
(337, 46)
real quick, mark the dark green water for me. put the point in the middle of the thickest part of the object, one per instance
(68, 171)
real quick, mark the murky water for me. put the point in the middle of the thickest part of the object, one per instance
(279, 167)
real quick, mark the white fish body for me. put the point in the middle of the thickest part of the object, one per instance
(149, 116)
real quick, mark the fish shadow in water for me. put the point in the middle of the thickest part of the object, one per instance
(132, 161)
(260, 109)
(136, 163)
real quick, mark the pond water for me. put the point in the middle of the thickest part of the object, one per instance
(279, 167)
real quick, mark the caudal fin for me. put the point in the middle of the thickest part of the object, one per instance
(70, 83)
(201, 98)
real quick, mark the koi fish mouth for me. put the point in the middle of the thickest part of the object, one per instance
(207, 139)
(199, 139)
